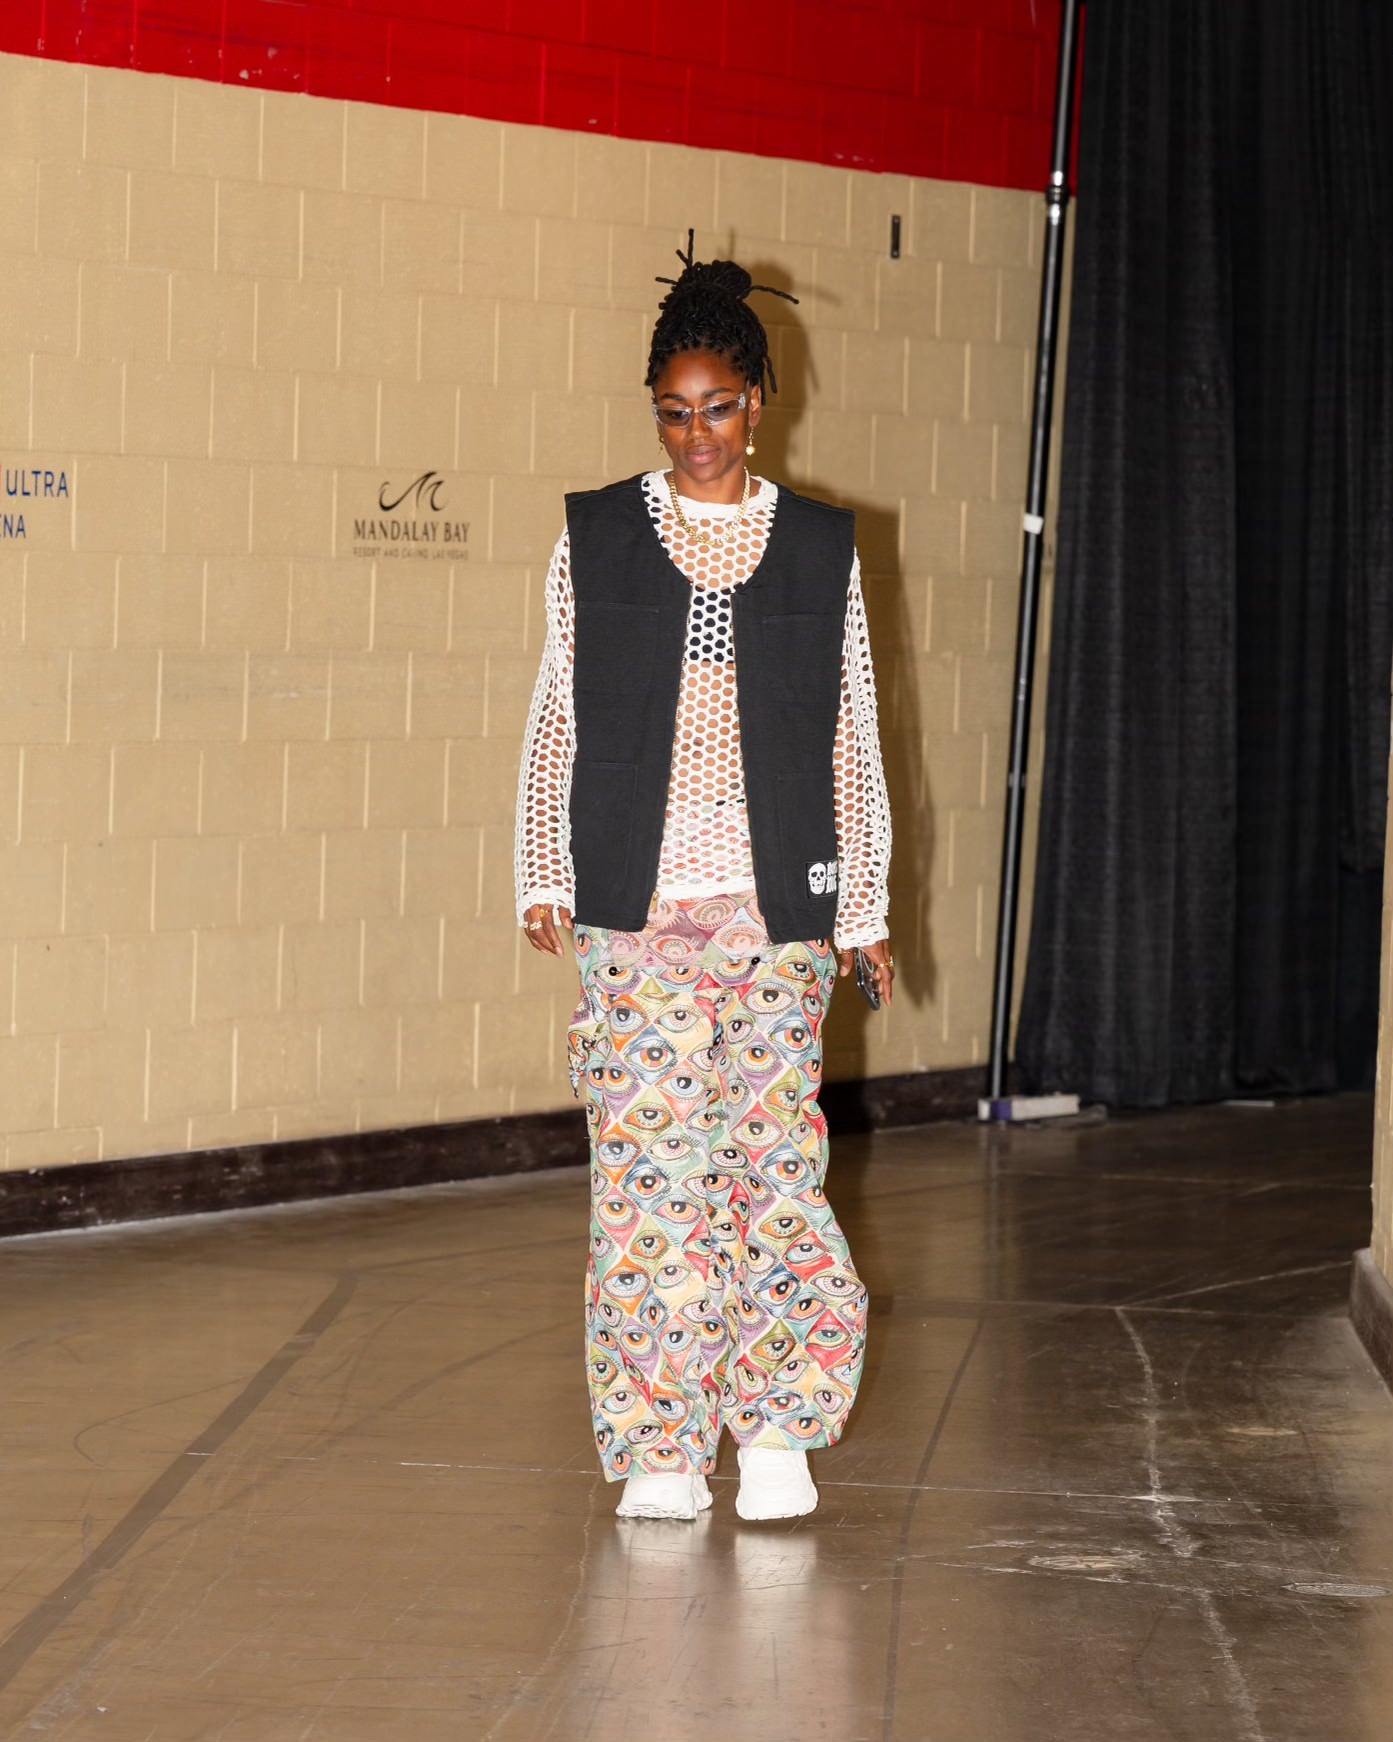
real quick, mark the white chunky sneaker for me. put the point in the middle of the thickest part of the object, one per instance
(774, 1484)
(647, 1496)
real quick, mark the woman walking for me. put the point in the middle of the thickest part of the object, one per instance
(702, 801)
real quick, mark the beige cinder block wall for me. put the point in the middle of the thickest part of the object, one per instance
(256, 782)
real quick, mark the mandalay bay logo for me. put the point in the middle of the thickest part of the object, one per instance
(412, 522)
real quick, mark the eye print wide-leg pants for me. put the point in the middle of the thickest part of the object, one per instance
(720, 1291)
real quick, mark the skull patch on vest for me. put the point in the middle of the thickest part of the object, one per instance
(822, 877)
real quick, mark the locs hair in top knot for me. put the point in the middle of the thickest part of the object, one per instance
(706, 311)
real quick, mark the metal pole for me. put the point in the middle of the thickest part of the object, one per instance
(1046, 347)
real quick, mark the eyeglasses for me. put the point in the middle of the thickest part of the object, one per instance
(679, 416)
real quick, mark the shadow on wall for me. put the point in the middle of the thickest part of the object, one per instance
(896, 665)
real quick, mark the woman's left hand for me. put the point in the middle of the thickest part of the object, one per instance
(884, 963)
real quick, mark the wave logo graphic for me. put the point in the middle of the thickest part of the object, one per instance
(424, 491)
(412, 523)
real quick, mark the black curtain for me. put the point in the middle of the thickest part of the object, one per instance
(1207, 894)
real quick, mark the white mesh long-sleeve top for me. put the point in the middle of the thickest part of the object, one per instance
(706, 838)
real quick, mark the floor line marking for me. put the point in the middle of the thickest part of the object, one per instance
(21, 1643)
(1184, 1546)
(892, 1649)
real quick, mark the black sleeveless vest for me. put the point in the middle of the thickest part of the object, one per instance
(788, 621)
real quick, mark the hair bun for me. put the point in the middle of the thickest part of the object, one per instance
(722, 275)
(706, 310)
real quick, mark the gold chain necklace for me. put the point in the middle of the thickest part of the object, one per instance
(699, 534)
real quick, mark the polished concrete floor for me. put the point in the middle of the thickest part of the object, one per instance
(1120, 1469)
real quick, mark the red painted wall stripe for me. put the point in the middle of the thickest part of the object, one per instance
(962, 89)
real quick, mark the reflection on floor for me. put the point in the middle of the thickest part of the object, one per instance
(1120, 1469)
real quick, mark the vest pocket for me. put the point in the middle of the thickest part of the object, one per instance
(808, 841)
(803, 651)
(602, 815)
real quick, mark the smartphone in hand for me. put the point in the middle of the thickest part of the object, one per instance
(865, 978)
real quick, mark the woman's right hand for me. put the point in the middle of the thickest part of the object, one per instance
(543, 924)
